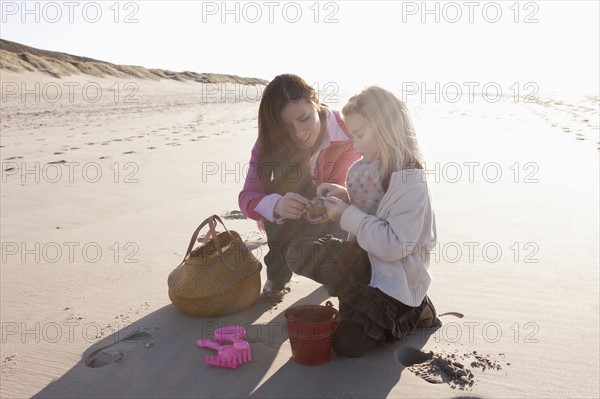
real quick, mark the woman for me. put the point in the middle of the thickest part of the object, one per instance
(301, 144)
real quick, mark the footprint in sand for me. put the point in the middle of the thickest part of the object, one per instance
(114, 352)
(255, 242)
(8, 364)
(419, 363)
(233, 214)
(410, 356)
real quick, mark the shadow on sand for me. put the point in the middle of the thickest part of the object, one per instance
(158, 357)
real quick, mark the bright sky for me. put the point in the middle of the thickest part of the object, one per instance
(554, 44)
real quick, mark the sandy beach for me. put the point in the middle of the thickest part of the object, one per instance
(101, 193)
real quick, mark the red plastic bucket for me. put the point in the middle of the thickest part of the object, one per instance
(310, 329)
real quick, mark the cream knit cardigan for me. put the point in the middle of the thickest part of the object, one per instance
(399, 238)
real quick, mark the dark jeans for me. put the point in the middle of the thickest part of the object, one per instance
(279, 237)
(330, 262)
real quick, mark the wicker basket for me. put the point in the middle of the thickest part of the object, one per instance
(220, 277)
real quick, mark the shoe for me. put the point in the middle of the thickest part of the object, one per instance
(274, 292)
(428, 317)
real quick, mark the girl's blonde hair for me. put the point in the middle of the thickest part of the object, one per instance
(394, 130)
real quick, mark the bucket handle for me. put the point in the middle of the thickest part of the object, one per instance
(330, 305)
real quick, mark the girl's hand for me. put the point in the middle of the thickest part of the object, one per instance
(290, 206)
(335, 208)
(333, 190)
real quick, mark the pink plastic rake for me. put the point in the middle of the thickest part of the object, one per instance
(229, 356)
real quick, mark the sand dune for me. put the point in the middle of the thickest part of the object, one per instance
(20, 58)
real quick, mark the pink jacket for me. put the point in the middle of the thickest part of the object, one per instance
(332, 166)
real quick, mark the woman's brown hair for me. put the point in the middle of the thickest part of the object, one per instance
(283, 163)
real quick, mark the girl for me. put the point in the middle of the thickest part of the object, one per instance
(380, 273)
(301, 144)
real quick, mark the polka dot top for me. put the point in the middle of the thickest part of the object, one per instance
(364, 186)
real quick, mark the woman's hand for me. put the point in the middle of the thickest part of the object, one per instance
(333, 190)
(290, 206)
(335, 208)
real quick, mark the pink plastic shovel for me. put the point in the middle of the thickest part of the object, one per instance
(230, 334)
(229, 356)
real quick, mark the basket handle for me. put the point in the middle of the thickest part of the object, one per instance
(212, 233)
